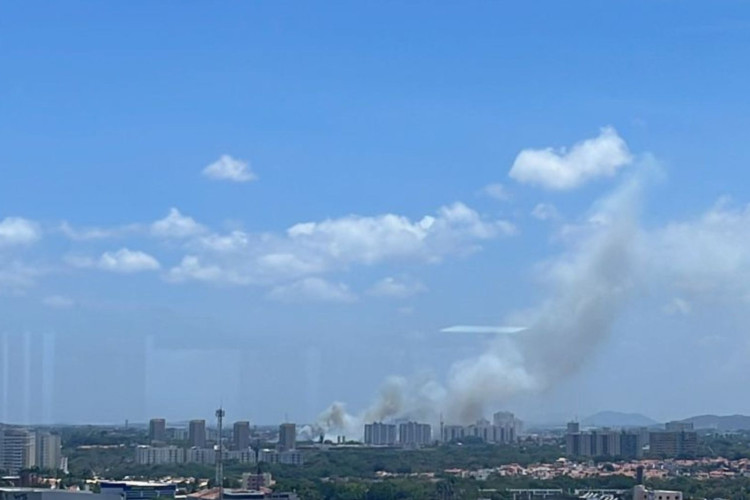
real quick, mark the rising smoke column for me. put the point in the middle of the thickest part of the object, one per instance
(587, 287)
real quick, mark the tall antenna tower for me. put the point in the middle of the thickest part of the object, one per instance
(219, 454)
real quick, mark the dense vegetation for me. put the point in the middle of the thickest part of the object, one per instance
(356, 472)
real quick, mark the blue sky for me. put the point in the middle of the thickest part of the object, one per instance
(362, 138)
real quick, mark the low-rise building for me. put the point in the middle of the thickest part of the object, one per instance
(289, 457)
(138, 490)
(253, 481)
(159, 455)
(49, 494)
(640, 492)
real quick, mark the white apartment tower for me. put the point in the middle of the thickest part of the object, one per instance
(17, 449)
(48, 450)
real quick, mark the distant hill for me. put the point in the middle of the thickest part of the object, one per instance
(617, 419)
(720, 423)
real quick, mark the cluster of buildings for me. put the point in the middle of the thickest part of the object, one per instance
(504, 429)
(676, 440)
(411, 434)
(144, 490)
(198, 446)
(22, 448)
(603, 443)
(639, 492)
(640, 470)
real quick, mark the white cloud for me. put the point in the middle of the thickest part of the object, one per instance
(122, 261)
(127, 261)
(311, 248)
(369, 240)
(230, 169)
(58, 301)
(312, 290)
(176, 225)
(545, 211)
(191, 268)
(561, 169)
(233, 242)
(18, 231)
(497, 191)
(709, 255)
(395, 288)
(702, 259)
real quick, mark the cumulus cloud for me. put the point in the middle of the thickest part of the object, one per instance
(497, 191)
(312, 248)
(192, 268)
(312, 290)
(18, 231)
(396, 288)
(230, 169)
(124, 261)
(545, 211)
(369, 240)
(564, 169)
(706, 256)
(176, 225)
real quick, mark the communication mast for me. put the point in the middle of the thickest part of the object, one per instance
(219, 454)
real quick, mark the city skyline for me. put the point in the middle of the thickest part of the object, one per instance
(278, 209)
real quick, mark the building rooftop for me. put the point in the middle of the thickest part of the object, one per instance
(15, 489)
(134, 483)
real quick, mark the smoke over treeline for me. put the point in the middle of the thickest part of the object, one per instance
(586, 287)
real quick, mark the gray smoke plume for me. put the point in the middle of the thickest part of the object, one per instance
(586, 288)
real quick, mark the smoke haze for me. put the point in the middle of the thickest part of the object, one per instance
(586, 288)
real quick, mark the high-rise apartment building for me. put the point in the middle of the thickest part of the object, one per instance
(503, 429)
(602, 443)
(197, 433)
(241, 435)
(452, 433)
(380, 434)
(48, 450)
(17, 449)
(679, 426)
(287, 437)
(490, 433)
(414, 434)
(507, 421)
(673, 443)
(157, 430)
